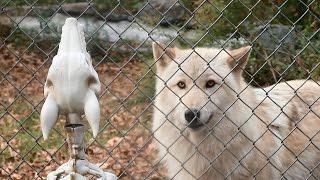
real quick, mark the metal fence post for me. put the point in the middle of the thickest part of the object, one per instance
(78, 165)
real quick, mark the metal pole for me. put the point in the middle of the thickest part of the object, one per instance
(77, 166)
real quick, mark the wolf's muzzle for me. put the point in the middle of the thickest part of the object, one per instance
(192, 116)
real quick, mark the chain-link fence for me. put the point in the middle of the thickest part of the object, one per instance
(187, 115)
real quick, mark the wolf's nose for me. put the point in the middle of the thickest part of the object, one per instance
(192, 116)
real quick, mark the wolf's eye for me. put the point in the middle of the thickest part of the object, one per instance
(210, 84)
(181, 85)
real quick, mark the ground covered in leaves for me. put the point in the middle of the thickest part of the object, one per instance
(124, 144)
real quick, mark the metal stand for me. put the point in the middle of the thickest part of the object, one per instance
(78, 165)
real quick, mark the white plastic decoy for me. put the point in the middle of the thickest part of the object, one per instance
(72, 84)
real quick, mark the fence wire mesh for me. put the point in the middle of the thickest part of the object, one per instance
(285, 42)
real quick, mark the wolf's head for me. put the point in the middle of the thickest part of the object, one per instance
(196, 87)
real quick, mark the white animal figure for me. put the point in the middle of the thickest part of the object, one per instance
(72, 85)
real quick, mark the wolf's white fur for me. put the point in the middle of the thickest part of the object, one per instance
(249, 133)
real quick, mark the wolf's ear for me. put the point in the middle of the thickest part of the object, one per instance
(162, 54)
(238, 58)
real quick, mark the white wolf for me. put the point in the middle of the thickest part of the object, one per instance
(210, 124)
